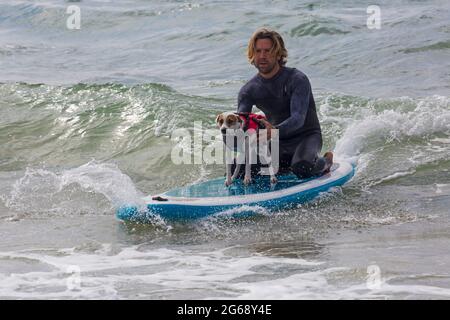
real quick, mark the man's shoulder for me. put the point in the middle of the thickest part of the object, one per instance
(250, 85)
(296, 74)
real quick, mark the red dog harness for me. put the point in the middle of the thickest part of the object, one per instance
(251, 121)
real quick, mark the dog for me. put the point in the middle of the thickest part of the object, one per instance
(248, 123)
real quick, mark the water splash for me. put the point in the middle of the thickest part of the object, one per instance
(91, 188)
(378, 123)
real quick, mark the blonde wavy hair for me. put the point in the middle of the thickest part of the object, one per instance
(278, 47)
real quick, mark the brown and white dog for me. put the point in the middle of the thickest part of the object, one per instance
(247, 122)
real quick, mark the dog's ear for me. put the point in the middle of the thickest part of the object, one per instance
(218, 118)
(233, 118)
(237, 119)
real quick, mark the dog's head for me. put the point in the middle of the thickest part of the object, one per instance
(228, 120)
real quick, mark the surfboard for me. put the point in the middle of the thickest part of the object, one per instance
(211, 197)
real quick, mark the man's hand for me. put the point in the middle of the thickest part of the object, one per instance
(267, 126)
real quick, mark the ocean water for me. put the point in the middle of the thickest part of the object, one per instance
(86, 117)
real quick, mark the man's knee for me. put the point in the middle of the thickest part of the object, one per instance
(303, 169)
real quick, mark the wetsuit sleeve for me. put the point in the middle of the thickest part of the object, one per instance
(299, 108)
(245, 103)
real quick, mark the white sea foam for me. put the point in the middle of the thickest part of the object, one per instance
(442, 188)
(102, 274)
(170, 273)
(94, 186)
(429, 116)
(391, 177)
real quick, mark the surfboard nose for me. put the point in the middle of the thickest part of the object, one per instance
(126, 212)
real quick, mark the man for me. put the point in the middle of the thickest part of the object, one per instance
(284, 95)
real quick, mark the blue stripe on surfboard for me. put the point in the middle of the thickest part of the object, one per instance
(183, 211)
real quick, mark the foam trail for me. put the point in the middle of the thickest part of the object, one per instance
(391, 177)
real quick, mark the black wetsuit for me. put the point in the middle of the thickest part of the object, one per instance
(288, 103)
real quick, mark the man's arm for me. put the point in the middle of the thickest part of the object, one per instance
(299, 108)
(244, 102)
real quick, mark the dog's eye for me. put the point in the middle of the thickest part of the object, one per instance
(220, 121)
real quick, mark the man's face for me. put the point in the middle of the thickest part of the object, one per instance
(265, 61)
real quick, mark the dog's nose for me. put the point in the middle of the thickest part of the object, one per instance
(224, 131)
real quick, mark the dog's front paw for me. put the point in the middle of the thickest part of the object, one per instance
(247, 180)
(273, 180)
